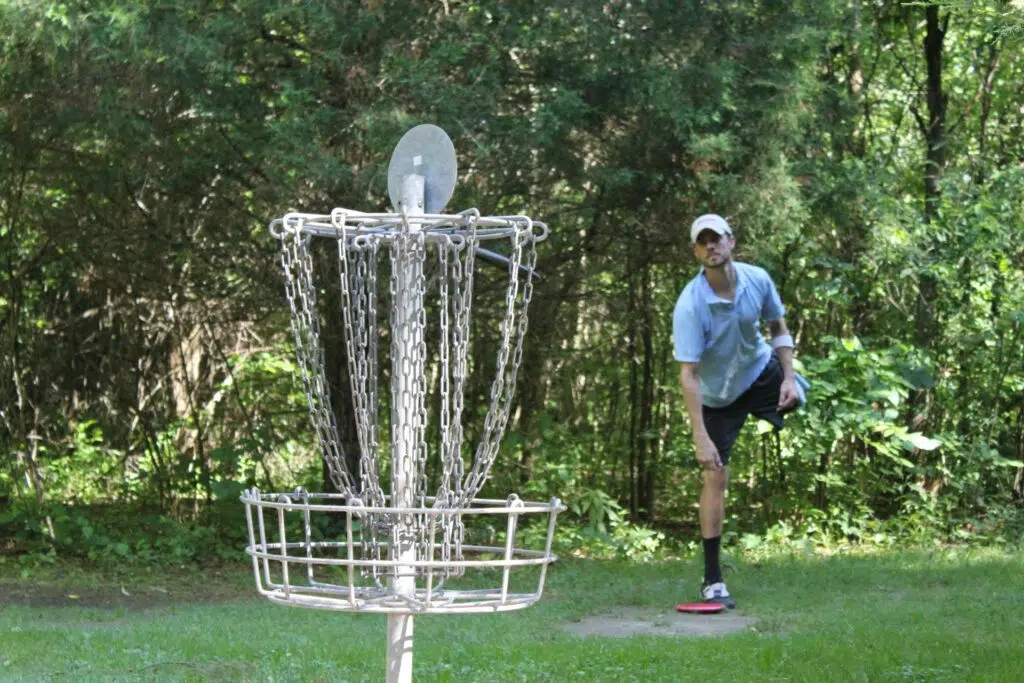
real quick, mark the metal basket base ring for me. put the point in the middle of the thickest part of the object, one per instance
(323, 551)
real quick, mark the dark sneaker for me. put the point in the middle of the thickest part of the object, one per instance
(717, 592)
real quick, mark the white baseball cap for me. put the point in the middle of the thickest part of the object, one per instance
(709, 221)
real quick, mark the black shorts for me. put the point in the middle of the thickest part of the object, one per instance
(761, 400)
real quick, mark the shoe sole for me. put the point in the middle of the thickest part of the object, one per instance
(728, 602)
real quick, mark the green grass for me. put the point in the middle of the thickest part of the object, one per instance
(952, 615)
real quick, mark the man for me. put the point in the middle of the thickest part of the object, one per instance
(728, 370)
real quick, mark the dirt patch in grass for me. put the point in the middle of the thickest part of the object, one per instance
(635, 621)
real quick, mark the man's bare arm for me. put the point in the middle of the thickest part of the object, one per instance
(689, 378)
(787, 394)
(778, 328)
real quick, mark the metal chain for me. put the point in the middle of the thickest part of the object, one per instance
(352, 308)
(359, 310)
(359, 257)
(454, 351)
(445, 248)
(408, 395)
(297, 263)
(503, 386)
(451, 344)
(375, 534)
(463, 312)
(462, 305)
(372, 487)
(419, 367)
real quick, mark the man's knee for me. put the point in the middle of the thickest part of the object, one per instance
(716, 480)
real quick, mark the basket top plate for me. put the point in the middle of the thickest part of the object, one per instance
(425, 150)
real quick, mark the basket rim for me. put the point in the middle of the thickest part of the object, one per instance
(435, 225)
(489, 506)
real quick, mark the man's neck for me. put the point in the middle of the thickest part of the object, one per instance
(722, 279)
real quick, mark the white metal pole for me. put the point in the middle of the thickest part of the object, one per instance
(407, 367)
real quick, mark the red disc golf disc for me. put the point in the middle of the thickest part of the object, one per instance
(700, 607)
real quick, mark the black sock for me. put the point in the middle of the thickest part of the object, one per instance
(712, 572)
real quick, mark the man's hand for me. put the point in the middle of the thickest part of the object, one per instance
(787, 395)
(707, 454)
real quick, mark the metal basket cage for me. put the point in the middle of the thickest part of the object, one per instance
(353, 573)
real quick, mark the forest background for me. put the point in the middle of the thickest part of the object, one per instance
(870, 154)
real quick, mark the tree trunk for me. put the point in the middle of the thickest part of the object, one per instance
(534, 383)
(647, 442)
(634, 399)
(935, 160)
(336, 364)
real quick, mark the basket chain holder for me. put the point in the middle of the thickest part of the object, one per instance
(400, 551)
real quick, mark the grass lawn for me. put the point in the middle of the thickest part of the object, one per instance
(949, 615)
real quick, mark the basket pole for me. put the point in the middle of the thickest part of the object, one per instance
(408, 303)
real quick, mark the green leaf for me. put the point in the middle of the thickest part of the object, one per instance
(921, 441)
(900, 460)
(852, 344)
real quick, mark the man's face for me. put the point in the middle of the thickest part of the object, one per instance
(713, 250)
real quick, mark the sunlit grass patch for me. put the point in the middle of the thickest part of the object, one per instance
(943, 615)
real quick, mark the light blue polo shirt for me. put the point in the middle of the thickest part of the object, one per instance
(724, 336)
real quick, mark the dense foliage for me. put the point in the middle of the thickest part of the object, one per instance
(869, 152)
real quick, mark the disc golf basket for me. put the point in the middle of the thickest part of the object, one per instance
(405, 283)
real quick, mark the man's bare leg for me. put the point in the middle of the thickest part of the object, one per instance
(712, 502)
(712, 516)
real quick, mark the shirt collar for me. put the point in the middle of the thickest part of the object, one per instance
(709, 293)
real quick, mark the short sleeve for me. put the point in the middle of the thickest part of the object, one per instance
(771, 306)
(687, 332)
